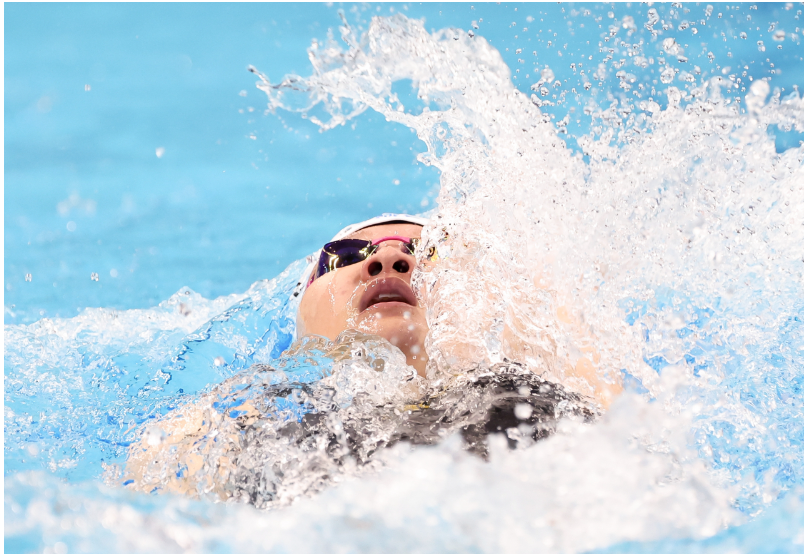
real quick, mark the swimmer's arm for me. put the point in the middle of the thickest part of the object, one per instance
(187, 451)
(162, 458)
(586, 375)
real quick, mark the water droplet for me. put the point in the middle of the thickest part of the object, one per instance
(671, 46)
(523, 411)
(28, 277)
(155, 436)
(652, 18)
(94, 276)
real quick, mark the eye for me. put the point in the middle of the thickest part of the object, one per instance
(411, 247)
(432, 253)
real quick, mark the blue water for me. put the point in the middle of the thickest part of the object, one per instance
(137, 149)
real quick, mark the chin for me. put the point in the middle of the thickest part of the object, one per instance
(402, 326)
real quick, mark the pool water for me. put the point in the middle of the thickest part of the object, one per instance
(157, 217)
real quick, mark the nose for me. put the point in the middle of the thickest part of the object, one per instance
(390, 257)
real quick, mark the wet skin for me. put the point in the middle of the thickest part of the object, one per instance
(373, 297)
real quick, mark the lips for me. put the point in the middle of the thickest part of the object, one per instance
(381, 292)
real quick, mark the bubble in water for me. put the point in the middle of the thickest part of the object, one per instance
(667, 75)
(742, 35)
(94, 276)
(779, 35)
(28, 277)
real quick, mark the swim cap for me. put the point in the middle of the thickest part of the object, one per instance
(299, 290)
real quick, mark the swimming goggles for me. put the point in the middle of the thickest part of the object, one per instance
(342, 253)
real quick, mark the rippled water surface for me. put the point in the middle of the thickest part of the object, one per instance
(622, 185)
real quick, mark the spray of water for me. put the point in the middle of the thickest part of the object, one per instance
(665, 256)
(668, 251)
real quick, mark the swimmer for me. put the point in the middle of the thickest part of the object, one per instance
(360, 281)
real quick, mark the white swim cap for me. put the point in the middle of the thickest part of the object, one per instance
(299, 290)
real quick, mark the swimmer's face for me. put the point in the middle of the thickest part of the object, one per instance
(373, 296)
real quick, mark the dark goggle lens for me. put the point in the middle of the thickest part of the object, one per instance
(342, 253)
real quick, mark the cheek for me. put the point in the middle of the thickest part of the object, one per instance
(327, 306)
(344, 293)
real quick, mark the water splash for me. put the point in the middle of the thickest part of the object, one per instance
(76, 390)
(668, 251)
